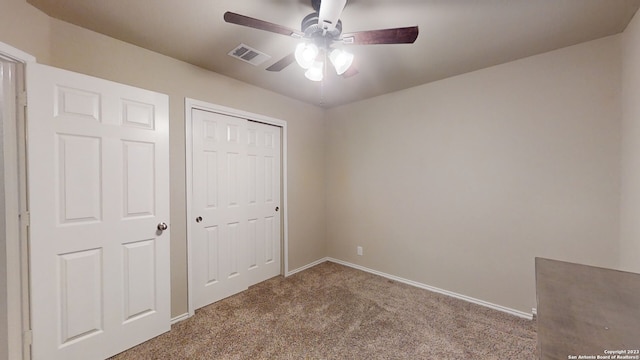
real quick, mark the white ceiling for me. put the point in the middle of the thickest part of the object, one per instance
(456, 36)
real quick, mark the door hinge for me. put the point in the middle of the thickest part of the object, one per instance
(27, 338)
(22, 98)
(25, 218)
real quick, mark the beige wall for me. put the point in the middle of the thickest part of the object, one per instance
(630, 199)
(24, 27)
(460, 183)
(69, 47)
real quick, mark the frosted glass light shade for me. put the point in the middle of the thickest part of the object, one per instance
(341, 60)
(315, 72)
(306, 54)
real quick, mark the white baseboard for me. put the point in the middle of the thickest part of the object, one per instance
(317, 262)
(504, 309)
(179, 318)
(517, 313)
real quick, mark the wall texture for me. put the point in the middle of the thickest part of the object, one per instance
(630, 199)
(25, 27)
(460, 183)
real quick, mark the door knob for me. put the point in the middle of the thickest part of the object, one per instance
(277, 208)
(162, 226)
(199, 218)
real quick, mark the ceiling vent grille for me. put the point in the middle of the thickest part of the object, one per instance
(249, 55)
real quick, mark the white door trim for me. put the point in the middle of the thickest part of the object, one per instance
(15, 208)
(189, 105)
(16, 54)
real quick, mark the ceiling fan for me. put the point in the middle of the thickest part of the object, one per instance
(321, 35)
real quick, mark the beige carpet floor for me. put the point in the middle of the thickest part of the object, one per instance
(335, 312)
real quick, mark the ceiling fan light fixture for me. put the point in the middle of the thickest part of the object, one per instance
(306, 54)
(319, 31)
(341, 60)
(315, 72)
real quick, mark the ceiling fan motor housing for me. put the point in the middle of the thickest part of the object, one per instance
(312, 30)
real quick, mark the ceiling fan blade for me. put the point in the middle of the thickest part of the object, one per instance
(243, 20)
(282, 63)
(329, 13)
(406, 35)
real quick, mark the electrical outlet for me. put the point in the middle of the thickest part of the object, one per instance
(359, 249)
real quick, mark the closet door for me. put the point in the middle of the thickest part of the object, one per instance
(235, 230)
(263, 224)
(219, 204)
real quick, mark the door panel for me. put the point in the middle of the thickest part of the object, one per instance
(80, 295)
(98, 187)
(139, 178)
(236, 189)
(219, 177)
(264, 179)
(80, 188)
(139, 275)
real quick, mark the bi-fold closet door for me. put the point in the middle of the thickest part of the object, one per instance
(235, 225)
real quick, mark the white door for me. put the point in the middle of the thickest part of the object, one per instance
(236, 190)
(219, 179)
(98, 181)
(263, 221)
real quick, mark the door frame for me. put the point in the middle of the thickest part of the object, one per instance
(16, 214)
(189, 106)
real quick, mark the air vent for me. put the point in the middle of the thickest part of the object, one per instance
(249, 55)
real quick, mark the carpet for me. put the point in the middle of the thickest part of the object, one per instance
(332, 311)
